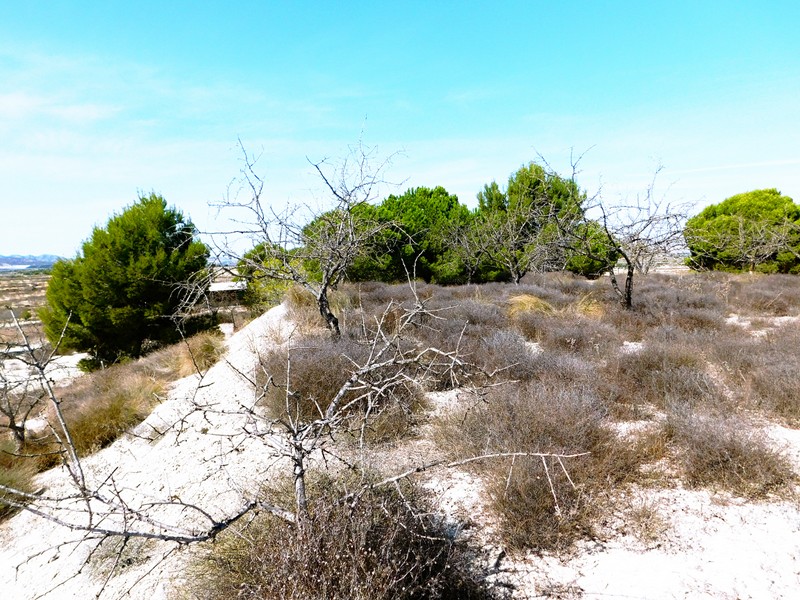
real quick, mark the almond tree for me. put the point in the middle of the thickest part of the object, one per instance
(315, 254)
(637, 232)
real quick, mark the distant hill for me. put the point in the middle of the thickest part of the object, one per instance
(16, 262)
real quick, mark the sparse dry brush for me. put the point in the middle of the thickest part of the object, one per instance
(543, 503)
(724, 452)
(563, 409)
(301, 381)
(660, 375)
(377, 544)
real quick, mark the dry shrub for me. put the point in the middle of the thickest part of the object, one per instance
(764, 369)
(738, 354)
(697, 319)
(479, 313)
(726, 453)
(645, 520)
(303, 309)
(774, 295)
(200, 352)
(589, 305)
(197, 353)
(546, 291)
(775, 388)
(668, 294)
(630, 325)
(576, 334)
(380, 544)
(319, 369)
(563, 282)
(535, 499)
(773, 385)
(692, 304)
(660, 374)
(486, 352)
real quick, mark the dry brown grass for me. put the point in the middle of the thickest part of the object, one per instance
(527, 304)
(198, 353)
(318, 369)
(15, 473)
(108, 403)
(723, 452)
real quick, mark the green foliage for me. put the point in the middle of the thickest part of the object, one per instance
(756, 231)
(515, 231)
(120, 292)
(597, 254)
(254, 268)
(417, 243)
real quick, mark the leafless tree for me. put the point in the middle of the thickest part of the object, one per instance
(638, 233)
(519, 241)
(314, 253)
(514, 232)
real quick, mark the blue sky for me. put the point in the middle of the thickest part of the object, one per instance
(102, 100)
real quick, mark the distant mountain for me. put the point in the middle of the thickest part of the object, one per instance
(19, 262)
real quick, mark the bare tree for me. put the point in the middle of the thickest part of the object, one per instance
(313, 253)
(638, 233)
(512, 229)
(519, 240)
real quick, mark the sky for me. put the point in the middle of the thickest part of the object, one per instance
(103, 101)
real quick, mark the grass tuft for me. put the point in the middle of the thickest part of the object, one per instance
(15, 473)
(528, 303)
(723, 452)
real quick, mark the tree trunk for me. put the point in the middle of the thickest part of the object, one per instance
(628, 300)
(300, 499)
(626, 295)
(325, 310)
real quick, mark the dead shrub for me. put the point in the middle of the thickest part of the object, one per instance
(667, 294)
(479, 313)
(774, 388)
(774, 295)
(723, 452)
(660, 374)
(380, 544)
(697, 319)
(763, 369)
(563, 282)
(542, 503)
(197, 353)
(319, 369)
(203, 351)
(575, 334)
